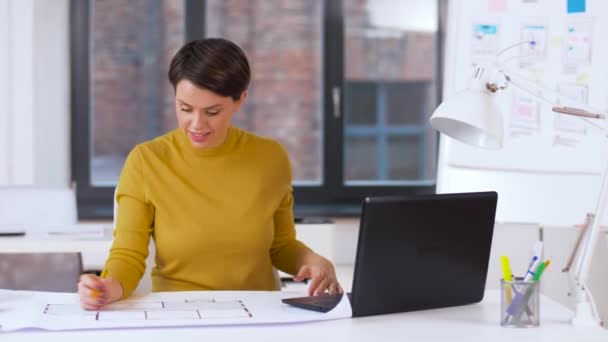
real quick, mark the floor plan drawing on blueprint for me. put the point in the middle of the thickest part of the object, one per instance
(154, 310)
(62, 311)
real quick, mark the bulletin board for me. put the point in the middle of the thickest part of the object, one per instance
(567, 64)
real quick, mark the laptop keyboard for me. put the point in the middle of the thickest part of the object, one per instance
(323, 303)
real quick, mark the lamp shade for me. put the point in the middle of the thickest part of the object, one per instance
(470, 116)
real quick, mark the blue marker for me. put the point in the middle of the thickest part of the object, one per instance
(530, 274)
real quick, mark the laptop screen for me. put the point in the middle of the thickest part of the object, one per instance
(422, 252)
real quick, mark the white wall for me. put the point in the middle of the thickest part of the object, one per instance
(4, 90)
(34, 98)
(524, 197)
(16, 77)
(51, 93)
(403, 15)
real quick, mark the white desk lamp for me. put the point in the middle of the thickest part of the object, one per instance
(472, 116)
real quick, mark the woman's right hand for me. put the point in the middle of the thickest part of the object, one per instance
(95, 292)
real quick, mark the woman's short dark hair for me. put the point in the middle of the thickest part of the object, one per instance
(214, 64)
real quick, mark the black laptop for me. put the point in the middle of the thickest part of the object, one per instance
(416, 253)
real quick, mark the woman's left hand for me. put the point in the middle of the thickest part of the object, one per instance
(322, 274)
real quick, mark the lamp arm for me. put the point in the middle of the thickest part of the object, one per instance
(579, 239)
(511, 47)
(590, 305)
(578, 112)
(586, 252)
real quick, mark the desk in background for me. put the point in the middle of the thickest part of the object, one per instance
(321, 237)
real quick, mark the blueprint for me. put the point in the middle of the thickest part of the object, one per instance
(62, 311)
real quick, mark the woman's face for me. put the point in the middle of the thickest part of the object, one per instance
(203, 115)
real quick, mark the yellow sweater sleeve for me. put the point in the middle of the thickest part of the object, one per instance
(127, 259)
(286, 250)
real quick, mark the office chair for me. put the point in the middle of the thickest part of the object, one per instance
(145, 282)
(55, 272)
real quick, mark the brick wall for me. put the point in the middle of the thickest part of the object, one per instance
(132, 43)
(133, 100)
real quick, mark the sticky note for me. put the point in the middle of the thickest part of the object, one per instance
(497, 5)
(582, 78)
(556, 41)
(577, 6)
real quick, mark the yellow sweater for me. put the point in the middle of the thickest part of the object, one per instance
(220, 217)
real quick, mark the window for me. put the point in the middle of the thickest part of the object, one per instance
(120, 52)
(385, 122)
(131, 100)
(390, 89)
(284, 43)
(346, 86)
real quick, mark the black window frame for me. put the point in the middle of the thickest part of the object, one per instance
(331, 198)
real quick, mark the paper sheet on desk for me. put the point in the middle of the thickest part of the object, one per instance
(61, 311)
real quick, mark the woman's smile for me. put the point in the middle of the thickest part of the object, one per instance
(199, 137)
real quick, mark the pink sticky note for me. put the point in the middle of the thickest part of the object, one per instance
(497, 5)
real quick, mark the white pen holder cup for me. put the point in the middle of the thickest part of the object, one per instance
(519, 303)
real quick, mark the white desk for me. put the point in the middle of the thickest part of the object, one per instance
(471, 323)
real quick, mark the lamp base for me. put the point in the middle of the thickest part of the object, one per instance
(583, 313)
(583, 316)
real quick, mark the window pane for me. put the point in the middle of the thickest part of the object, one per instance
(362, 107)
(405, 168)
(390, 63)
(283, 40)
(362, 158)
(132, 43)
(409, 103)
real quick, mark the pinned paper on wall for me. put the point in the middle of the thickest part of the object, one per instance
(577, 6)
(525, 115)
(569, 130)
(497, 5)
(484, 43)
(573, 94)
(536, 34)
(578, 39)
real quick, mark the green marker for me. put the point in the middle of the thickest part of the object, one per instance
(541, 268)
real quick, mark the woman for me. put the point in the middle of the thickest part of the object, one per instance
(217, 200)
